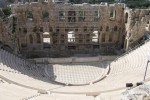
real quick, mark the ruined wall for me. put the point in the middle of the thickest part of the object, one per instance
(136, 25)
(107, 23)
(32, 25)
(98, 27)
(54, 28)
(7, 36)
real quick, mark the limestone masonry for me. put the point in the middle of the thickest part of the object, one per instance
(49, 27)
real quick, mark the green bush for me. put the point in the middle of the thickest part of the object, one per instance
(7, 11)
(130, 3)
(138, 4)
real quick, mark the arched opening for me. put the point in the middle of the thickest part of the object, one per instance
(71, 37)
(25, 30)
(110, 37)
(51, 29)
(41, 29)
(38, 37)
(103, 37)
(147, 22)
(101, 28)
(92, 28)
(76, 29)
(29, 15)
(85, 29)
(1, 43)
(31, 39)
(34, 29)
(124, 42)
(46, 40)
(112, 14)
(71, 16)
(81, 16)
(115, 28)
(96, 15)
(45, 16)
(57, 29)
(61, 15)
(107, 28)
(126, 17)
(95, 36)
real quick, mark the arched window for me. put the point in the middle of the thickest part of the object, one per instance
(30, 38)
(107, 28)
(81, 15)
(115, 28)
(41, 29)
(45, 16)
(126, 17)
(34, 29)
(71, 16)
(101, 28)
(85, 29)
(110, 37)
(112, 14)
(103, 37)
(71, 37)
(51, 29)
(147, 22)
(25, 30)
(61, 15)
(95, 36)
(38, 37)
(76, 29)
(66, 29)
(92, 28)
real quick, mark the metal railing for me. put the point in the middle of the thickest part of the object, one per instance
(129, 51)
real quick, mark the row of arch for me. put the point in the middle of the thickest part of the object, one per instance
(90, 29)
(110, 37)
(103, 38)
(38, 38)
(29, 14)
(107, 28)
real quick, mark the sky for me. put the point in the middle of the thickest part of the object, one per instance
(1, 3)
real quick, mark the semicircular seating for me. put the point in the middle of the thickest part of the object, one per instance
(128, 68)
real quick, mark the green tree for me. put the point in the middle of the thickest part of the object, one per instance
(7, 11)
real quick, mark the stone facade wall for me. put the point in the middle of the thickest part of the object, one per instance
(7, 36)
(47, 20)
(74, 59)
(1, 28)
(46, 28)
(137, 25)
